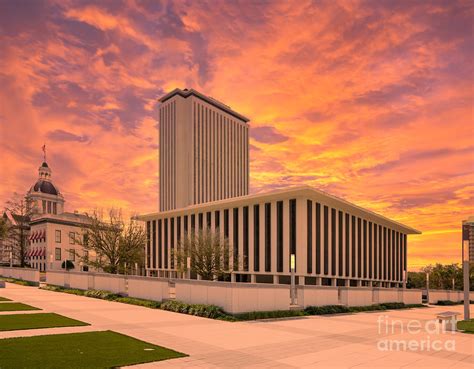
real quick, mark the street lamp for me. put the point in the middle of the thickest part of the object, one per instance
(11, 259)
(465, 268)
(293, 285)
(428, 287)
(188, 266)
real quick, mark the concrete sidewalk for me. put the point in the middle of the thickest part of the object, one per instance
(342, 341)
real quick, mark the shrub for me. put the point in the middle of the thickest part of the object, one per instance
(448, 302)
(254, 315)
(205, 311)
(328, 309)
(139, 302)
(357, 309)
(20, 282)
(100, 294)
(393, 305)
(409, 306)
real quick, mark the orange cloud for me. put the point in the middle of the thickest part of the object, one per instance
(371, 101)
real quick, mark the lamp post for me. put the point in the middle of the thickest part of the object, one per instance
(428, 287)
(188, 266)
(293, 285)
(465, 268)
(11, 259)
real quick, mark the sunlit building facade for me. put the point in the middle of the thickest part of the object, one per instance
(203, 150)
(53, 235)
(335, 243)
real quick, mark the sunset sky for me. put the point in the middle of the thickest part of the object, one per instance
(368, 100)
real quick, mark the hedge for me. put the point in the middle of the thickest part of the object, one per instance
(205, 311)
(19, 281)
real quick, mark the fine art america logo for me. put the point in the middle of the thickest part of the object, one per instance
(414, 335)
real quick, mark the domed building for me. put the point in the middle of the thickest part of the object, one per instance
(44, 196)
(53, 233)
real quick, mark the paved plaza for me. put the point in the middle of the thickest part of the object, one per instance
(339, 341)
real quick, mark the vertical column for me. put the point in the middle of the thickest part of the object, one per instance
(273, 238)
(319, 240)
(249, 246)
(347, 244)
(340, 242)
(227, 161)
(326, 240)
(309, 237)
(160, 159)
(251, 254)
(232, 162)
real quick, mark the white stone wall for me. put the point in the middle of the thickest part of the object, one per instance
(25, 274)
(231, 297)
(317, 296)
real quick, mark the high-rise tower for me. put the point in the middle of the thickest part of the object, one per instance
(204, 150)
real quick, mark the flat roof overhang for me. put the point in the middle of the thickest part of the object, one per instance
(293, 192)
(191, 92)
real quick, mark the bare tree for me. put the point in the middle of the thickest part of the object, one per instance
(18, 211)
(208, 252)
(3, 229)
(111, 243)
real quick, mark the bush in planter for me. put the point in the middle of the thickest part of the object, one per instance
(205, 311)
(393, 305)
(100, 294)
(140, 302)
(254, 315)
(67, 264)
(329, 309)
(447, 302)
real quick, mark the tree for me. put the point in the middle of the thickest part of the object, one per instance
(416, 280)
(111, 244)
(441, 276)
(208, 252)
(19, 211)
(3, 229)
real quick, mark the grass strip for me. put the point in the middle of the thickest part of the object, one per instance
(80, 350)
(467, 326)
(16, 306)
(16, 322)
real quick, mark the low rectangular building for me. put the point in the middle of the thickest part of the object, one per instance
(334, 242)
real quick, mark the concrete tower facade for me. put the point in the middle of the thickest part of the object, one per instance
(204, 150)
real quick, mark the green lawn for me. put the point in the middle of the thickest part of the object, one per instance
(16, 306)
(80, 350)
(467, 326)
(15, 322)
(4, 299)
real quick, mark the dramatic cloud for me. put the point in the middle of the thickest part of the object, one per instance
(60, 135)
(267, 135)
(368, 100)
